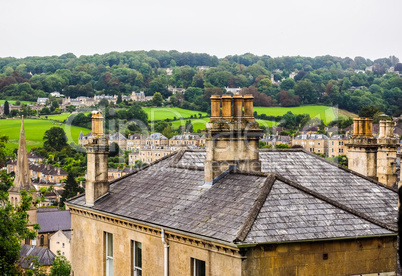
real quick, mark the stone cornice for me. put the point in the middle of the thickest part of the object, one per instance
(153, 230)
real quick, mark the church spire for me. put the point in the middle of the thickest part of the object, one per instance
(22, 179)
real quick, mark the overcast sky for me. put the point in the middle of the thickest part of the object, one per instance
(350, 28)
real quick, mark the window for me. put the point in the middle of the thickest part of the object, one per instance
(197, 267)
(109, 253)
(42, 240)
(62, 245)
(136, 257)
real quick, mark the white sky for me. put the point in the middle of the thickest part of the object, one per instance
(367, 28)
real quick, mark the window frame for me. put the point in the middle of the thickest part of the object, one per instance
(108, 259)
(136, 268)
(195, 263)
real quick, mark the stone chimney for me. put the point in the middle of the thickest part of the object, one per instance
(232, 138)
(362, 148)
(387, 153)
(97, 184)
(370, 156)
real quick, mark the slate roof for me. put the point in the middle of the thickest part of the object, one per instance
(156, 135)
(47, 169)
(117, 136)
(27, 254)
(299, 197)
(54, 221)
(185, 137)
(312, 137)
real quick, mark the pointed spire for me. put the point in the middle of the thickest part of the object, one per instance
(22, 179)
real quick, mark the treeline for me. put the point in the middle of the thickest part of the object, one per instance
(323, 80)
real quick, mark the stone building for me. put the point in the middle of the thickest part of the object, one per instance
(41, 173)
(275, 140)
(232, 210)
(374, 157)
(51, 220)
(156, 140)
(61, 242)
(337, 145)
(317, 143)
(135, 141)
(186, 139)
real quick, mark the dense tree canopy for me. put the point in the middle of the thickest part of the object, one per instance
(345, 82)
(55, 139)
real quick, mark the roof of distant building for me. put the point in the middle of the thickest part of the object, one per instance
(185, 137)
(155, 136)
(311, 137)
(34, 155)
(27, 254)
(117, 136)
(54, 221)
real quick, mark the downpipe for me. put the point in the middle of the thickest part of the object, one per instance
(166, 253)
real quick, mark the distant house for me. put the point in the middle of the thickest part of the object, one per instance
(41, 101)
(44, 173)
(56, 94)
(234, 91)
(33, 157)
(202, 68)
(29, 252)
(51, 220)
(60, 242)
(176, 90)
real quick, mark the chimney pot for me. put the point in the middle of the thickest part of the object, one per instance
(227, 107)
(237, 107)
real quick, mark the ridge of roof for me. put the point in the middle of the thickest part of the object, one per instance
(130, 174)
(255, 209)
(331, 163)
(265, 190)
(335, 203)
(143, 168)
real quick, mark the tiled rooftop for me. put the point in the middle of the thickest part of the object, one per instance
(298, 197)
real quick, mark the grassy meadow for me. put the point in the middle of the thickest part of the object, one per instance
(13, 102)
(325, 113)
(201, 123)
(34, 131)
(162, 113)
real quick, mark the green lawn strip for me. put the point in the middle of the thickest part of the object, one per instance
(162, 113)
(13, 102)
(34, 131)
(325, 113)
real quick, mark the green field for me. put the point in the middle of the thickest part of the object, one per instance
(325, 113)
(201, 123)
(34, 131)
(13, 102)
(162, 113)
(59, 117)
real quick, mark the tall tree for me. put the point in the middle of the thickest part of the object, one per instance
(55, 139)
(6, 108)
(70, 189)
(13, 226)
(157, 99)
(119, 99)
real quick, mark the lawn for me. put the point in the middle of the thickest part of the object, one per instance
(162, 113)
(13, 102)
(34, 131)
(201, 123)
(325, 113)
(58, 117)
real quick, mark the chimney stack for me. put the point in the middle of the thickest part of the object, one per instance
(97, 184)
(232, 140)
(362, 127)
